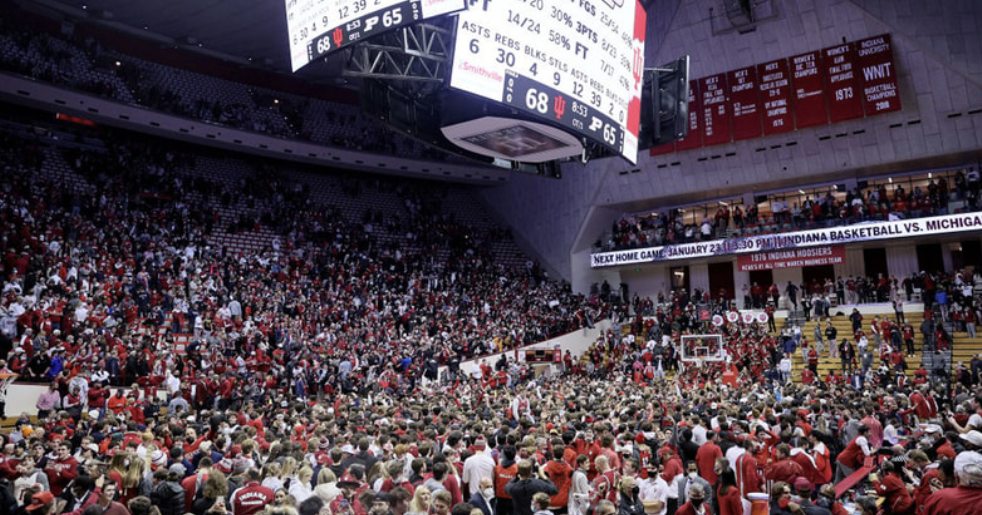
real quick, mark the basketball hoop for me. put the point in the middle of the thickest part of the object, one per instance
(699, 348)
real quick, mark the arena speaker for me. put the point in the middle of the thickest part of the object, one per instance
(665, 104)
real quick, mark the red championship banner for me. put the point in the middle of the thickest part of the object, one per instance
(715, 110)
(745, 103)
(842, 82)
(879, 75)
(775, 95)
(694, 139)
(792, 258)
(808, 80)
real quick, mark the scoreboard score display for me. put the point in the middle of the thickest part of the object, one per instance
(543, 356)
(319, 27)
(578, 64)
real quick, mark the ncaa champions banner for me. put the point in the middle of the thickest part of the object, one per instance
(931, 226)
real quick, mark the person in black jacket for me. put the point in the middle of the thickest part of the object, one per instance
(524, 486)
(167, 494)
(627, 493)
(484, 499)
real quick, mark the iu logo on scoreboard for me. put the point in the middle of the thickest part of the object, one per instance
(559, 106)
(637, 64)
(338, 37)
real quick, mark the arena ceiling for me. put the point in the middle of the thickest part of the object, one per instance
(251, 32)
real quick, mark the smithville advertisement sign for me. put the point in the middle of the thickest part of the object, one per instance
(931, 226)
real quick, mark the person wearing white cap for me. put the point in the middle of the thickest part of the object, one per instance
(964, 499)
(972, 440)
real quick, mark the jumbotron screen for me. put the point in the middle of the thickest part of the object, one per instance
(319, 27)
(577, 63)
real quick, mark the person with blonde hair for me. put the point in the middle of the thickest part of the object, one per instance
(421, 501)
(214, 490)
(133, 480)
(271, 476)
(288, 471)
(327, 485)
(300, 487)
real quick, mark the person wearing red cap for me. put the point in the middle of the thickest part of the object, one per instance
(804, 489)
(42, 503)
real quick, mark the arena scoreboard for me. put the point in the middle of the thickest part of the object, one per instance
(319, 27)
(543, 356)
(578, 64)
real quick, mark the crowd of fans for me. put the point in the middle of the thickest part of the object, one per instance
(304, 378)
(152, 267)
(879, 203)
(607, 435)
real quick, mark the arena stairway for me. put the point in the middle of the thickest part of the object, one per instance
(844, 328)
(963, 347)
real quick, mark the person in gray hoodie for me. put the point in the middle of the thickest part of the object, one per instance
(28, 476)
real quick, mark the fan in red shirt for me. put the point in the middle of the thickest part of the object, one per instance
(252, 497)
(963, 499)
(784, 469)
(891, 487)
(706, 457)
(61, 470)
(561, 474)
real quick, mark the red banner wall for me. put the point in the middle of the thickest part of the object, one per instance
(694, 139)
(745, 103)
(792, 258)
(879, 75)
(775, 96)
(831, 85)
(808, 81)
(715, 110)
(667, 148)
(842, 79)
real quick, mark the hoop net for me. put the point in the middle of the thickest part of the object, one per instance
(699, 348)
(5, 380)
